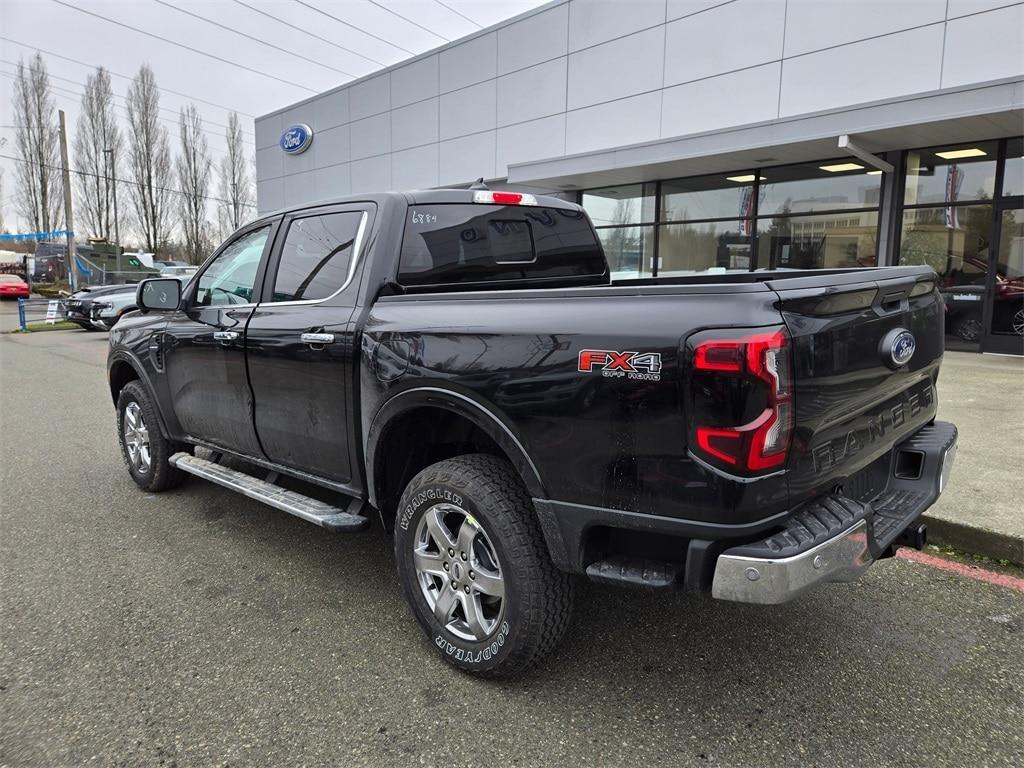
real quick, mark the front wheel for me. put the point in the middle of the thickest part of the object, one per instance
(475, 569)
(145, 450)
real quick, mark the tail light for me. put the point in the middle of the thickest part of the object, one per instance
(742, 399)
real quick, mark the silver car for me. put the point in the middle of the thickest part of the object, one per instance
(106, 311)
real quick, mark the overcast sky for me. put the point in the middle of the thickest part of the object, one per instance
(281, 65)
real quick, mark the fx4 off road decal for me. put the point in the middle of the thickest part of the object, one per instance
(644, 366)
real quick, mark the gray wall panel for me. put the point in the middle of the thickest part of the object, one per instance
(530, 93)
(470, 62)
(533, 40)
(623, 67)
(414, 82)
(469, 110)
(595, 76)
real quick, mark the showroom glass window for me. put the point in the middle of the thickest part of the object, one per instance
(624, 218)
(316, 256)
(948, 225)
(821, 215)
(706, 223)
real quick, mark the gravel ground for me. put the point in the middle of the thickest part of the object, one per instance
(199, 628)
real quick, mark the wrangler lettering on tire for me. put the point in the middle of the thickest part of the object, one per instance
(475, 569)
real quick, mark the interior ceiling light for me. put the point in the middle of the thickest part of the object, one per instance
(840, 167)
(874, 173)
(745, 179)
(957, 154)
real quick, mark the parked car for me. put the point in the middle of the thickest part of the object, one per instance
(106, 310)
(78, 306)
(178, 270)
(749, 435)
(13, 287)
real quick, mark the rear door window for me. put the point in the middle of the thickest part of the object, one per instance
(316, 258)
(459, 244)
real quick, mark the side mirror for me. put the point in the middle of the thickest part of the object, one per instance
(158, 295)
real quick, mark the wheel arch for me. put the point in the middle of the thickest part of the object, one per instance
(456, 424)
(124, 369)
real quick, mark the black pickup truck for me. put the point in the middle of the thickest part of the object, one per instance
(459, 363)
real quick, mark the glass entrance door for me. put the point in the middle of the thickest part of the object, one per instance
(1004, 315)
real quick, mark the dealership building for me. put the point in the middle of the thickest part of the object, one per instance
(707, 135)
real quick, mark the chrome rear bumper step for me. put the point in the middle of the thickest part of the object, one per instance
(318, 512)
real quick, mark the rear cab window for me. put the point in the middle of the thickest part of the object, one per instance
(317, 257)
(461, 245)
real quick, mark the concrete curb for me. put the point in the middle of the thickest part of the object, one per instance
(981, 541)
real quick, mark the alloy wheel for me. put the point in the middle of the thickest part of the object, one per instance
(136, 438)
(458, 572)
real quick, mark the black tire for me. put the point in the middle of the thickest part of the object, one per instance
(537, 602)
(159, 475)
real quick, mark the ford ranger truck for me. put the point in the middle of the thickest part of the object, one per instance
(459, 365)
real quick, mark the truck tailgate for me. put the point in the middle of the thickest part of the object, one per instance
(854, 397)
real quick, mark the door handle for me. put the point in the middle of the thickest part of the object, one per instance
(317, 338)
(225, 335)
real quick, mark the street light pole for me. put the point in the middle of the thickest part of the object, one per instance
(113, 185)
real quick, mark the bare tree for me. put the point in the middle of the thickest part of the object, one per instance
(40, 189)
(97, 132)
(234, 185)
(194, 183)
(149, 160)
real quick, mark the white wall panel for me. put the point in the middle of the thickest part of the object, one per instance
(415, 168)
(269, 195)
(627, 121)
(370, 97)
(414, 82)
(331, 110)
(998, 34)
(598, 21)
(269, 162)
(332, 181)
(534, 92)
(470, 62)
(533, 40)
(712, 103)
(371, 136)
(468, 158)
(871, 70)
(267, 129)
(332, 146)
(414, 125)
(372, 174)
(815, 24)
(469, 110)
(300, 188)
(623, 67)
(530, 141)
(741, 34)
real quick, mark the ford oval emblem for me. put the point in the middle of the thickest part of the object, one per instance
(296, 139)
(897, 347)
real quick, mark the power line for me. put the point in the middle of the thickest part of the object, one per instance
(123, 77)
(68, 92)
(459, 13)
(254, 9)
(351, 26)
(120, 181)
(122, 98)
(410, 21)
(208, 55)
(252, 37)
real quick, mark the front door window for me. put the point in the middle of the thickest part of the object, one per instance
(229, 280)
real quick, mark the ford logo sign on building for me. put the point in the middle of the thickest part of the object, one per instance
(296, 139)
(897, 347)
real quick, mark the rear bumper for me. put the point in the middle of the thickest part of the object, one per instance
(835, 538)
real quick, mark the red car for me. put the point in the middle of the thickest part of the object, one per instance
(13, 287)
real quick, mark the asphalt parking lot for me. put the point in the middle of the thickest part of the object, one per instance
(199, 628)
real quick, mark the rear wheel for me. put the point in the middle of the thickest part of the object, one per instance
(145, 450)
(475, 568)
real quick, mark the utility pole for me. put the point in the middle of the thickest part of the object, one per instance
(113, 186)
(68, 220)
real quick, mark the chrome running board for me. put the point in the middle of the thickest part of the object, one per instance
(317, 512)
